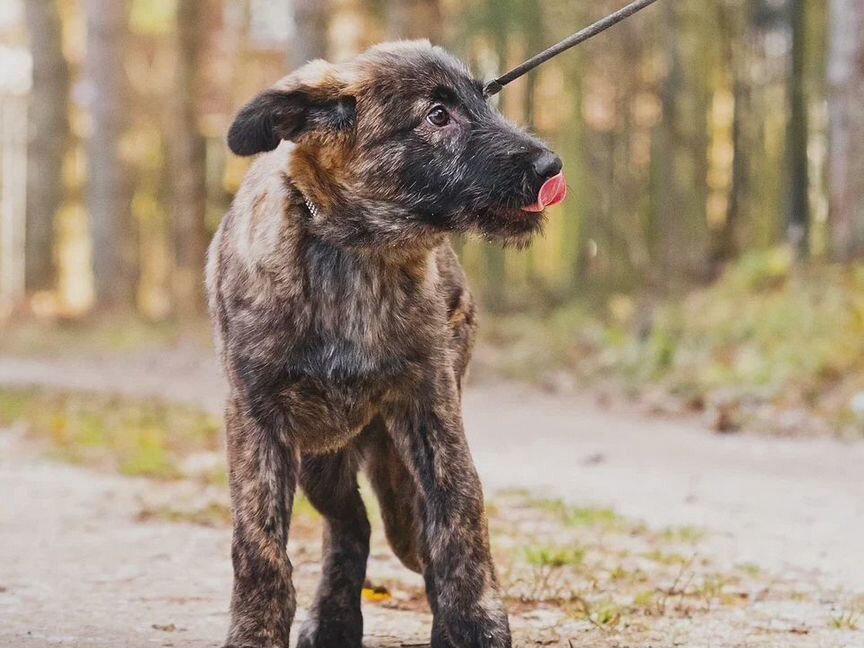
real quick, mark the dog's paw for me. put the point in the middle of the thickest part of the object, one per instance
(332, 631)
(487, 629)
(254, 643)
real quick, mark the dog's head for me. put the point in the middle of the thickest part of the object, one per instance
(399, 144)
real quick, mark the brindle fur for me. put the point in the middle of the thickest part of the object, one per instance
(345, 331)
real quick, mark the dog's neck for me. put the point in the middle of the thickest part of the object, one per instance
(365, 225)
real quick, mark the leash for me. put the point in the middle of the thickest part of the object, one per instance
(495, 86)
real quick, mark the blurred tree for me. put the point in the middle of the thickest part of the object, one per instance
(671, 157)
(797, 134)
(109, 192)
(680, 158)
(415, 19)
(533, 26)
(48, 140)
(846, 128)
(734, 24)
(675, 148)
(494, 290)
(311, 25)
(188, 147)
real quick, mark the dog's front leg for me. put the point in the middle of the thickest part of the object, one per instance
(263, 467)
(460, 575)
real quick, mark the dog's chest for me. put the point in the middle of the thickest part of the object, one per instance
(369, 321)
(366, 336)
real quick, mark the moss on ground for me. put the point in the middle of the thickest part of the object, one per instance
(133, 437)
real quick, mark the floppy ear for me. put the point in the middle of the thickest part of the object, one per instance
(289, 110)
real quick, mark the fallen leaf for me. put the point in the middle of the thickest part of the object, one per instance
(376, 593)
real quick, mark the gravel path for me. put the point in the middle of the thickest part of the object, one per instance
(792, 506)
(80, 571)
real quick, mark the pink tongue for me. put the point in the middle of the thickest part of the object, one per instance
(553, 191)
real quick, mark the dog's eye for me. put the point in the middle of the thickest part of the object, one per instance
(438, 116)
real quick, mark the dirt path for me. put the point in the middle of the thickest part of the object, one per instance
(793, 507)
(80, 570)
(784, 504)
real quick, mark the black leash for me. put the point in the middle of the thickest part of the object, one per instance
(494, 86)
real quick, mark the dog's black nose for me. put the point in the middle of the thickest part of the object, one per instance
(547, 164)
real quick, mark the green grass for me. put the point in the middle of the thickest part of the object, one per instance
(766, 332)
(132, 437)
(682, 534)
(211, 515)
(218, 514)
(554, 557)
(41, 337)
(846, 620)
(645, 599)
(666, 557)
(607, 614)
(579, 516)
(750, 569)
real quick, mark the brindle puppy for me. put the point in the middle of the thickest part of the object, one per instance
(345, 328)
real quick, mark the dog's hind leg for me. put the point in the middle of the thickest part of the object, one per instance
(397, 495)
(330, 483)
(263, 476)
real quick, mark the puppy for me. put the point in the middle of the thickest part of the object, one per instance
(345, 326)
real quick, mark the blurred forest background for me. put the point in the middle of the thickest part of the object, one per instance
(710, 246)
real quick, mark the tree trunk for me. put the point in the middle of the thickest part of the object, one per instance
(533, 29)
(415, 19)
(48, 140)
(798, 217)
(669, 146)
(189, 162)
(109, 190)
(738, 188)
(311, 23)
(733, 20)
(846, 128)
